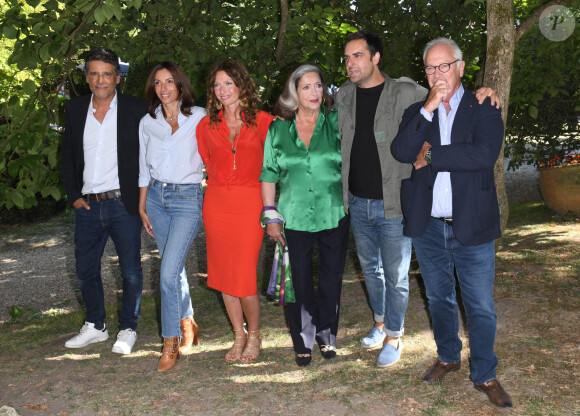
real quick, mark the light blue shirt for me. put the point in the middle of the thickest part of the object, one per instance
(100, 173)
(171, 158)
(442, 193)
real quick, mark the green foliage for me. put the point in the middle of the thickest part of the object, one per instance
(545, 100)
(43, 41)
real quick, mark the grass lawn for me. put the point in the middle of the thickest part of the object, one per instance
(537, 296)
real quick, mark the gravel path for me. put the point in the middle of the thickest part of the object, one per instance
(37, 271)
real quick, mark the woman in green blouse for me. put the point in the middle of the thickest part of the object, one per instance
(302, 153)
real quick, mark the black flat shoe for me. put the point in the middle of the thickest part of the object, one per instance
(304, 360)
(328, 351)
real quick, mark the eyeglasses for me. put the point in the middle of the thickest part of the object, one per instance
(430, 70)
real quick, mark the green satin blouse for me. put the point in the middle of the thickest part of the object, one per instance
(310, 186)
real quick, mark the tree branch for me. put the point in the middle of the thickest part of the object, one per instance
(532, 19)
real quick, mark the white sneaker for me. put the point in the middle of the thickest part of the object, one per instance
(87, 335)
(125, 340)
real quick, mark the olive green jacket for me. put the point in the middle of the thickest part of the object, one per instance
(397, 95)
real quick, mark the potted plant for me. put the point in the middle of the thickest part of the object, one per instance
(549, 139)
(560, 183)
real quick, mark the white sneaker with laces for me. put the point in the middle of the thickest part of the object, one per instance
(87, 335)
(125, 340)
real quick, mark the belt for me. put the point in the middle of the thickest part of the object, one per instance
(104, 196)
(448, 221)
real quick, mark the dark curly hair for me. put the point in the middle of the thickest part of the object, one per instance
(248, 94)
(186, 94)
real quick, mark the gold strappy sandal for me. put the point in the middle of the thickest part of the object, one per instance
(240, 338)
(253, 345)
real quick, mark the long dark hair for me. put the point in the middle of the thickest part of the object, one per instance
(248, 94)
(183, 85)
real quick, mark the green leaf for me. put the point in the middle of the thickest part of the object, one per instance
(13, 168)
(107, 10)
(16, 198)
(100, 16)
(40, 28)
(33, 3)
(117, 11)
(29, 86)
(51, 5)
(16, 312)
(10, 32)
(44, 52)
(533, 111)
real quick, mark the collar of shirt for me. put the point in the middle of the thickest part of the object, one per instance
(453, 101)
(160, 116)
(112, 105)
(319, 123)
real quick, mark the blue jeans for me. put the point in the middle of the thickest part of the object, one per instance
(175, 214)
(384, 254)
(439, 255)
(92, 230)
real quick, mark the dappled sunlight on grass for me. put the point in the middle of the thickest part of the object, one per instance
(283, 377)
(74, 357)
(56, 312)
(51, 242)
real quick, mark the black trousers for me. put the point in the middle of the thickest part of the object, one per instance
(315, 317)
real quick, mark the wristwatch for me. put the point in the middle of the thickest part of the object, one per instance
(428, 157)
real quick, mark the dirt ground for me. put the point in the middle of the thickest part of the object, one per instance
(537, 300)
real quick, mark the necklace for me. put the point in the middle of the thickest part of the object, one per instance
(172, 118)
(236, 139)
(234, 147)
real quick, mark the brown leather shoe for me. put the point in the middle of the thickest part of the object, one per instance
(438, 370)
(495, 393)
(189, 334)
(170, 354)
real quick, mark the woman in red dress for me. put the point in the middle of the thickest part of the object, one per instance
(231, 143)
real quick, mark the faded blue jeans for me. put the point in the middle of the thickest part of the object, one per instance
(175, 214)
(440, 255)
(384, 254)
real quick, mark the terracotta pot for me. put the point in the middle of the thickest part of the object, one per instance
(560, 188)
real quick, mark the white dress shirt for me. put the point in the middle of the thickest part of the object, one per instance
(442, 193)
(101, 172)
(167, 157)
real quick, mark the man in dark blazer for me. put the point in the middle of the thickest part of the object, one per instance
(451, 212)
(100, 167)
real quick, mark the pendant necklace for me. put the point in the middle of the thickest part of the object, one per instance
(172, 118)
(234, 147)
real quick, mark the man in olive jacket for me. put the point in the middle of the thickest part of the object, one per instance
(370, 108)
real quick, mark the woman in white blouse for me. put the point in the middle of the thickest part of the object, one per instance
(170, 202)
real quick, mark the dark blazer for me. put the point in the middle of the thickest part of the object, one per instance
(130, 110)
(476, 140)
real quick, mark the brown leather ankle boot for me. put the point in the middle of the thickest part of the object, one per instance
(170, 354)
(189, 334)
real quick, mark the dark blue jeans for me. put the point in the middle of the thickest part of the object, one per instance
(93, 228)
(439, 255)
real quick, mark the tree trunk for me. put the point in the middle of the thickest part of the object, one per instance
(282, 30)
(501, 40)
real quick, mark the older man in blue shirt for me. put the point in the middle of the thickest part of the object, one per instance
(451, 212)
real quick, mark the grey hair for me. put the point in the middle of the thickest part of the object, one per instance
(444, 41)
(288, 101)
